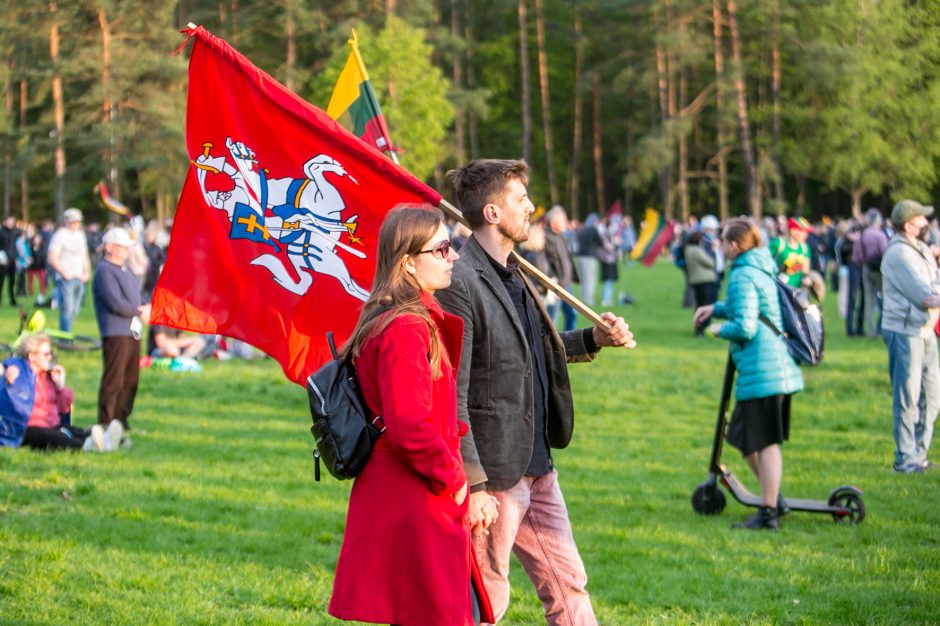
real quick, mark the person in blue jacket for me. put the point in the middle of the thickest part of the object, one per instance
(767, 374)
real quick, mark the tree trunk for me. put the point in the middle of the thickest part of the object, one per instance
(7, 152)
(390, 7)
(775, 80)
(291, 37)
(744, 128)
(546, 102)
(857, 194)
(58, 114)
(107, 105)
(720, 110)
(665, 173)
(233, 22)
(599, 149)
(682, 185)
(460, 134)
(471, 84)
(574, 186)
(524, 77)
(24, 178)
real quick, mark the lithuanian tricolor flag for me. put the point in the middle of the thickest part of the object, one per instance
(654, 235)
(353, 94)
(109, 202)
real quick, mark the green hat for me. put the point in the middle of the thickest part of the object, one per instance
(906, 210)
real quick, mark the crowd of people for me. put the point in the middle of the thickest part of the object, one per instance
(121, 265)
(466, 361)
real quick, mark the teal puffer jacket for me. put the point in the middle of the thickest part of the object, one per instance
(765, 367)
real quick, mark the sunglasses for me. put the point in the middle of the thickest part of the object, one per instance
(441, 250)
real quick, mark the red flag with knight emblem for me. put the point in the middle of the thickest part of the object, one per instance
(275, 233)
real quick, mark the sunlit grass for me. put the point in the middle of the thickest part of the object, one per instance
(213, 516)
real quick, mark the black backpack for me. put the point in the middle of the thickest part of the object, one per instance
(343, 431)
(803, 329)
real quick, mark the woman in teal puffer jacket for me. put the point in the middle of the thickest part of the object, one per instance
(767, 374)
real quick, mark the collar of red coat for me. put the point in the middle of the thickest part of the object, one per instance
(450, 327)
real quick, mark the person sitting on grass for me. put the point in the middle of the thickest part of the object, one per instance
(166, 342)
(36, 406)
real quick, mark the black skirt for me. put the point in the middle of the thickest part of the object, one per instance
(759, 423)
(609, 271)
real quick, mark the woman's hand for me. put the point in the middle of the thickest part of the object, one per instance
(461, 494)
(482, 512)
(57, 374)
(713, 330)
(702, 313)
(11, 373)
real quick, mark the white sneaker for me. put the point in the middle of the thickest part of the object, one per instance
(96, 440)
(113, 435)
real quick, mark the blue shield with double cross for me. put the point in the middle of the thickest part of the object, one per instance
(247, 224)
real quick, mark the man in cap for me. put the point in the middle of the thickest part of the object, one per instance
(911, 290)
(120, 316)
(791, 253)
(68, 256)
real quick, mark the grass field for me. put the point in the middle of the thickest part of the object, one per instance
(213, 516)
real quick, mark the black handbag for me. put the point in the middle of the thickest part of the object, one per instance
(342, 428)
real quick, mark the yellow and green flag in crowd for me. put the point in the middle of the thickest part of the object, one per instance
(353, 95)
(655, 234)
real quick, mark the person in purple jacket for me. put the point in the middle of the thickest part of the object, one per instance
(120, 316)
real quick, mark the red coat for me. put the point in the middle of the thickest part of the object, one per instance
(406, 556)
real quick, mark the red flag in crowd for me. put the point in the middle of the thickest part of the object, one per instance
(275, 233)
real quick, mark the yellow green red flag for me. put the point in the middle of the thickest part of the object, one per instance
(353, 95)
(655, 233)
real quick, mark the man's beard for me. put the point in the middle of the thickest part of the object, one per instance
(518, 236)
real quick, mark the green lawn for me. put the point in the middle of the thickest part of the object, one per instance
(213, 516)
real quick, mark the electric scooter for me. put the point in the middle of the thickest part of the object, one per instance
(845, 503)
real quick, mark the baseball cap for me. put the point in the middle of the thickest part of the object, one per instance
(906, 210)
(710, 222)
(72, 215)
(799, 223)
(118, 237)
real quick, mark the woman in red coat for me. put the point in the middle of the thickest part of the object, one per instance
(406, 556)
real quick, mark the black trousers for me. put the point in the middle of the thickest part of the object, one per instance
(63, 437)
(8, 273)
(119, 379)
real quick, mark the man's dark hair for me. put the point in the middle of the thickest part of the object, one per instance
(479, 182)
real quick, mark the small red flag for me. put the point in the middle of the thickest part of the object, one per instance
(275, 233)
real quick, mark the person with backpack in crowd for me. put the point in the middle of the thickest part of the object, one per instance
(867, 253)
(911, 300)
(767, 374)
(406, 556)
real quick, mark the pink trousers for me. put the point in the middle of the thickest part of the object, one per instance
(533, 524)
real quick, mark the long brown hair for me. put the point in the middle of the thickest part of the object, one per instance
(404, 231)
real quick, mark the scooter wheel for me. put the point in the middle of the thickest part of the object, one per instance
(708, 499)
(849, 499)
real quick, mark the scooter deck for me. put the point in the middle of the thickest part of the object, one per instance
(745, 497)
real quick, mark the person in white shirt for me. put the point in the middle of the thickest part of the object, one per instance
(68, 257)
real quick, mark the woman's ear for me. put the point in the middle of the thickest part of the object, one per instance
(408, 264)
